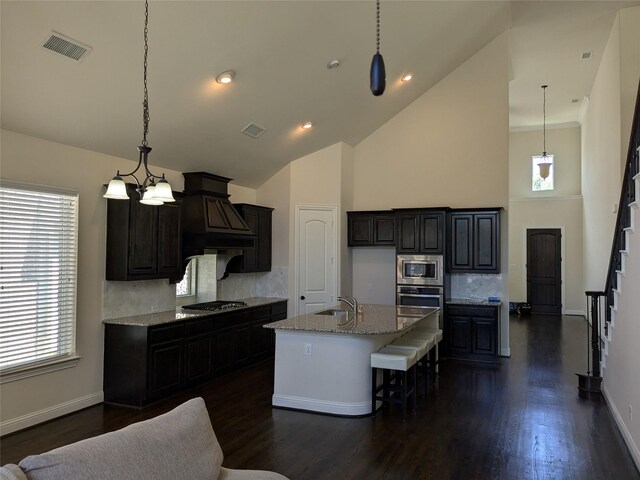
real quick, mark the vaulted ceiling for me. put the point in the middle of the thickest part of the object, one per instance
(279, 51)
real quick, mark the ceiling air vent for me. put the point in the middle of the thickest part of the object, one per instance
(587, 55)
(253, 130)
(66, 46)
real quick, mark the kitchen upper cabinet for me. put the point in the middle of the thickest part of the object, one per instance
(370, 229)
(259, 220)
(474, 241)
(421, 231)
(143, 241)
(472, 332)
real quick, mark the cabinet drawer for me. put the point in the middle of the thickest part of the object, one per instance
(232, 319)
(261, 313)
(197, 327)
(472, 311)
(279, 311)
(165, 334)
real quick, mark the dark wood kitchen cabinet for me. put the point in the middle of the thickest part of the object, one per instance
(371, 229)
(421, 231)
(143, 364)
(473, 332)
(259, 220)
(231, 341)
(143, 241)
(474, 241)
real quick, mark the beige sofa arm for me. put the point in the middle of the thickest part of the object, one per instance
(12, 472)
(231, 474)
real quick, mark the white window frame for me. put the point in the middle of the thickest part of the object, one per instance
(535, 172)
(68, 358)
(190, 275)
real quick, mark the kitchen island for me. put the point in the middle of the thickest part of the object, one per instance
(323, 361)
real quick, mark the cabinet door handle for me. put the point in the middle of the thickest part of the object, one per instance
(302, 297)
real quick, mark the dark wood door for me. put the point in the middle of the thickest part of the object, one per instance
(461, 241)
(143, 236)
(486, 231)
(432, 233)
(360, 229)
(384, 230)
(544, 281)
(165, 368)
(408, 233)
(169, 236)
(250, 256)
(264, 240)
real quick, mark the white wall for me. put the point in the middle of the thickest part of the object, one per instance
(601, 174)
(559, 208)
(29, 159)
(448, 148)
(563, 213)
(605, 142)
(563, 143)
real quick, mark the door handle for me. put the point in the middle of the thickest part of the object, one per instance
(302, 297)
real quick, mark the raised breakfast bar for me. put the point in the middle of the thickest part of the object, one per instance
(323, 359)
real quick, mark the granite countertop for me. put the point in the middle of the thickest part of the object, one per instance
(159, 318)
(473, 301)
(373, 320)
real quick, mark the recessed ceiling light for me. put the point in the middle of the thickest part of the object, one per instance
(406, 77)
(307, 125)
(587, 55)
(226, 77)
(335, 63)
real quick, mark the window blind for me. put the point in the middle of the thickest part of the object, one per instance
(38, 270)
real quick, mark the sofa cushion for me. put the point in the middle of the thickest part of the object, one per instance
(178, 444)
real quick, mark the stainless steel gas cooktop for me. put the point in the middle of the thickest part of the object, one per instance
(214, 306)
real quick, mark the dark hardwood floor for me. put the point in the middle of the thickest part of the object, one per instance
(521, 420)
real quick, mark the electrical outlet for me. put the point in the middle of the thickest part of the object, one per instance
(630, 413)
(307, 349)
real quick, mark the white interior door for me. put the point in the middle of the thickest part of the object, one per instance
(315, 258)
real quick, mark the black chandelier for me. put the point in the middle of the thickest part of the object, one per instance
(151, 193)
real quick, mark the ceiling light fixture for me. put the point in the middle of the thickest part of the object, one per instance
(544, 164)
(406, 77)
(226, 77)
(307, 125)
(377, 76)
(151, 193)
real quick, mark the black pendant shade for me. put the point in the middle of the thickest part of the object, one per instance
(378, 75)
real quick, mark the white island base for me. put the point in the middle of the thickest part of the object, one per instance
(335, 378)
(330, 372)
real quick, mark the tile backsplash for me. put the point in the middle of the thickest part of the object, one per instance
(476, 286)
(125, 299)
(274, 283)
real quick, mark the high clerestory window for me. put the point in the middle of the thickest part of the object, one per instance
(38, 273)
(538, 183)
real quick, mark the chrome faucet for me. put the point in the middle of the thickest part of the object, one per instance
(351, 301)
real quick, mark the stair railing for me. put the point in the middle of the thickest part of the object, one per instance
(623, 221)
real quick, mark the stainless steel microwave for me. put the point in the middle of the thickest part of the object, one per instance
(420, 270)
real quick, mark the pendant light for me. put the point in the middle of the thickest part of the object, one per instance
(377, 77)
(151, 193)
(544, 164)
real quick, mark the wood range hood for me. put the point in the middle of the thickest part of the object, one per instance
(211, 224)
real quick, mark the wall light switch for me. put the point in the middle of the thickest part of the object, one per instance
(307, 349)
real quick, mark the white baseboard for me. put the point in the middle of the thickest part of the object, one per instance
(628, 439)
(505, 351)
(575, 312)
(31, 419)
(324, 406)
